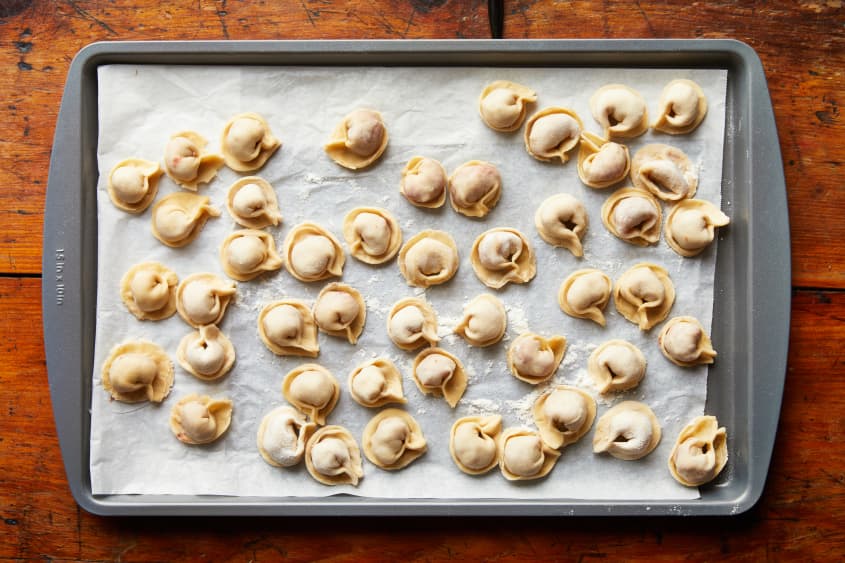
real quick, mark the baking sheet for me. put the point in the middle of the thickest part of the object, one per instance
(430, 112)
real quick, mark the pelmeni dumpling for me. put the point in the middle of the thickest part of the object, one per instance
(252, 202)
(186, 161)
(199, 419)
(412, 323)
(682, 107)
(424, 182)
(376, 383)
(148, 290)
(437, 372)
(691, 226)
(665, 171)
(501, 256)
(633, 215)
(179, 217)
(358, 140)
(282, 436)
(616, 365)
(313, 390)
(562, 220)
(525, 456)
(206, 354)
(684, 342)
(133, 184)
(340, 311)
(620, 110)
(248, 253)
(552, 133)
(287, 328)
(563, 414)
(533, 358)
(247, 142)
(201, 299)
(700, 452)
(393, 439)
(484, 322)
(475, 188)
(332, 457)
(312, 253)
(137, 371)
(602, 163)
(474, 443)
(627, 431)
(502, 105)
(644, 294)
(584, 294)
(372, 234)
(429, 258)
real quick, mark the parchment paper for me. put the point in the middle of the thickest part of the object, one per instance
(431, 112)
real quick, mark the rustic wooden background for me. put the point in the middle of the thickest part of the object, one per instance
(802, 46)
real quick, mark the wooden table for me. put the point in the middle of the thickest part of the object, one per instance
(802, 46)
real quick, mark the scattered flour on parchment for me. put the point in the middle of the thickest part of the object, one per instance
(521, 408)
(478, 407)
(516, 319)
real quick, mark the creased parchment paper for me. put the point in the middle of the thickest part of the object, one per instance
(430, 112)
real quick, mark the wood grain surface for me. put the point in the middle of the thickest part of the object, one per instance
(802, 47)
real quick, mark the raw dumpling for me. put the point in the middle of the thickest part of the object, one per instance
(358, 140)
(633, 215)
(201, 299)
(199, 419)
(376, 383)
(620, 110)
(332, 457)
(148, 290)
(684, 342)
(644, 295)
(585, 294)
(562, 221)
(137, 371)
(502, 105)
(439, 373)
(563, 414)
(282, 436)
(372, 234)
(664, 171)
(313, 390)
(474, 443)
(393, 439)
(552, 133)
(206, 354)
(484, 322)
(475, 188)
(602, 163)
(186, 161)
(133, 184)
(627, 431)
(682, 107)
(312, 253)
(340, 311)
(429, 258)
(616, 365)
(533, 358)
(503, 255)
(691, 225)
(424, 182)
(179, 217)
(287, 328)
(700, 452)
(252, 202)
(248, 253)
(412, 323)
(525, 456)
(248, 142)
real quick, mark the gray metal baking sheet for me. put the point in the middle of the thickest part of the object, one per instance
(751, 316)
